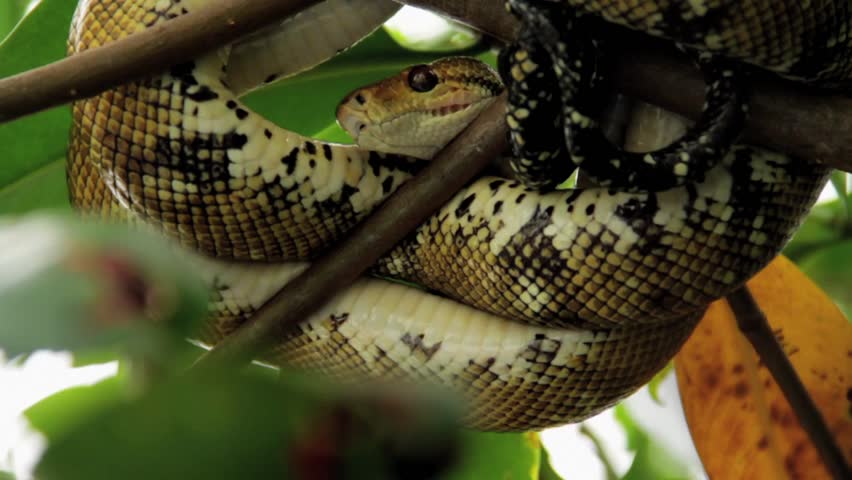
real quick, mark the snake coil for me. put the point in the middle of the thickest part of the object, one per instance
(552, 306)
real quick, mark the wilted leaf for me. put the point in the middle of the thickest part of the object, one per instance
(741, 424)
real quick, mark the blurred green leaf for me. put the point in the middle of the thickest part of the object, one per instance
(654, 384)
(30, 144)
(545, 469)
(82, 285)
(839, 179)
(826, 224)
(221, 426)
(507, 456)
(446, 37)
(652, 461)
(6, 475)
(68, 409)
(831, 269)
(44, 187)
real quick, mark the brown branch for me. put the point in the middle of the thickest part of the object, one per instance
(454, 166)
(752, 323)
(784, 116)
(155, 49)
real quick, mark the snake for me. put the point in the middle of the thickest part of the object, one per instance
(538, 307)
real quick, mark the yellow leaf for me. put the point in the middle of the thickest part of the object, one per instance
(740, 422)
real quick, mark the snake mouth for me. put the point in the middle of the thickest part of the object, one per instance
(418, 133)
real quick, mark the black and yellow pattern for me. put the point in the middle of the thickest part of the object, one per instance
(580, 295)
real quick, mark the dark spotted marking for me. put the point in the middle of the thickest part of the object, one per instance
(241, 114)
(267, 133)
(203, 94)
(310, 148)
(338, 320)
(312, 163)
(326, 150)
(231, 104)
(234, 140)
(520, 198)
(498, 205)
(590, 209)
(496, 184)
(415, 343)
(464, 206)
(271, 78)
(360, 99)
(290, 160)
(387, 185)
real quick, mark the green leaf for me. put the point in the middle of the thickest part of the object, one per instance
(545, 469)
(42, 188)
(838, 181)
(831, 269)
(90, 286)
(6, 475)
(652, 461)
(507, 456)
(31, 143)
(220, 426)
(71, 408)
(826, 224)
(654, 384)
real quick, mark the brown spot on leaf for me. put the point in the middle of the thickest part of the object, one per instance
(741, 389)
(763, 443)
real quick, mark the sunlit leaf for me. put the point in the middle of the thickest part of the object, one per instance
(740, 422)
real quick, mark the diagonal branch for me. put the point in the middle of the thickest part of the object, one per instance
(752, 323)
(155, 49)
(455, 165)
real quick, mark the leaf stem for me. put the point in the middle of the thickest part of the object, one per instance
(753, 324)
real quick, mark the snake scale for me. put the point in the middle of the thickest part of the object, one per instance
(552, 305)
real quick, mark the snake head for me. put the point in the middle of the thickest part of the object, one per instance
(421, 109)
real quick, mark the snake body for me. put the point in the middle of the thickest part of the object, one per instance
(554, 305)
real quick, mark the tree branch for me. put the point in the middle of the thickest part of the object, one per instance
(784, 116)
(155, 49)
(418, 198)
(752, 323)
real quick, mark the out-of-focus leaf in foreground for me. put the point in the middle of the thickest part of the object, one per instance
(69, 285)
(652, 461)
(226, 425)
(740, 422)
(509, 456)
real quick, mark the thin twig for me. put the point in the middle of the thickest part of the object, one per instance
(152, 50)
(784, 116)
(454, 166)
(752, 323)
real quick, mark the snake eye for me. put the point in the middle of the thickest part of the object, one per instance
(421, 78)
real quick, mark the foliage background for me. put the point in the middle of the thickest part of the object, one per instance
(32, 179)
